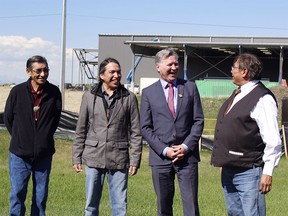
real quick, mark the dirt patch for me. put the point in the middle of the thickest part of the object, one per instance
(71, 103)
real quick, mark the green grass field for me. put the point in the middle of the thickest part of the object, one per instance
(67, 190)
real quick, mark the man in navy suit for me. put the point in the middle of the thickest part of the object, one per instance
(172, 134)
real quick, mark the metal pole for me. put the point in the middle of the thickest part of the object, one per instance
(132, 84)
(133, 74)
(63, 53)
(185, 63)
(72, 68)
(280, 66)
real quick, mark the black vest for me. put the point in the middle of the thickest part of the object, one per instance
(237, 140)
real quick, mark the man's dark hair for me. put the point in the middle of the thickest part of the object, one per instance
(36, 58)
(250, 62)
(105, 62)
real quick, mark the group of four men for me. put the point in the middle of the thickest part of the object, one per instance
(109, 132)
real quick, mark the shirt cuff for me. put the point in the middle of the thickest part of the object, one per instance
(165, 151)
(268, 169)
(185, 147)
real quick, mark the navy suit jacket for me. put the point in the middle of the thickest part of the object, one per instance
(160, 129)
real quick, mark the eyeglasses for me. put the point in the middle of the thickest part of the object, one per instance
(39, 71)
(233, 67)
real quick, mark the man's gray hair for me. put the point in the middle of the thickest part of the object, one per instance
(164, 54)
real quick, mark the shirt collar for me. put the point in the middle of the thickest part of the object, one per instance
(249, 85)
(38, 91)
(105, 93)
(164, 83)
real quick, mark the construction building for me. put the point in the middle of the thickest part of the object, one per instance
(206, 60)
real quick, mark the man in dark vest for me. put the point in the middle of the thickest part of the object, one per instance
(247, 144)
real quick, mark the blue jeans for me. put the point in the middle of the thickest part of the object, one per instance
(117, 184)
(241, 191)
(20, 170)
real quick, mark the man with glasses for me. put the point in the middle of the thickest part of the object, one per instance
(247, 143)
(31, 115)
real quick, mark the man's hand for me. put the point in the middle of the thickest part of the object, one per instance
(265, 184)
(78, 167)
(176, 152)
(132, 170)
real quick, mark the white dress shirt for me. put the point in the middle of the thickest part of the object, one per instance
(164, 84)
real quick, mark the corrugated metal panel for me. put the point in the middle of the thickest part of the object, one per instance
(221, 88)
(203, 61)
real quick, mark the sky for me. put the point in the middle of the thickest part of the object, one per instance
(34, 27)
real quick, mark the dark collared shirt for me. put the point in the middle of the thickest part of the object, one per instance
(109, 102)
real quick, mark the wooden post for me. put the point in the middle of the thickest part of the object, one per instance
(284, 140)
(200, 144)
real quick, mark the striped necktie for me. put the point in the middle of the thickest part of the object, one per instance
(171, 99)
(237, 91)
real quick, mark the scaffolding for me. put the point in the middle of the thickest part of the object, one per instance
(88, 65)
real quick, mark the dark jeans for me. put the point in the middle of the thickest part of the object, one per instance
(164, 186)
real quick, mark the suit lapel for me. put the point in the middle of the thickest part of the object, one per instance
(162, 98)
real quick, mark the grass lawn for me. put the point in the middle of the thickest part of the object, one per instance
(67, 189)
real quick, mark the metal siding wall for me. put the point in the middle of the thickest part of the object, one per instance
(221, 88)
(113, 46)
